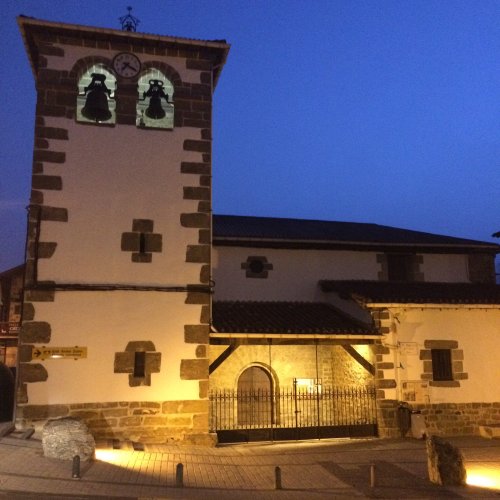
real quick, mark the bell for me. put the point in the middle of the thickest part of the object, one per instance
(155, 94)
(96, 105)
(154, 110)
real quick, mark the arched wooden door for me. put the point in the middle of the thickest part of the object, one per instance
(255, 397)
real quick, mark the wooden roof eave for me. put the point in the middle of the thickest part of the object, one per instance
(297, 336)
(429, 305)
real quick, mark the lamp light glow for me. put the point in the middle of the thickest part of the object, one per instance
(483, 477)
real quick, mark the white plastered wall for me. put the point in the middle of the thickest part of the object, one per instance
(104, 322)
(126, 174)
(477, 332)
(112, 175)
(294, 276)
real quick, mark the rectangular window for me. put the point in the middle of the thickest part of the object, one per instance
(140, 364)
(441, 364)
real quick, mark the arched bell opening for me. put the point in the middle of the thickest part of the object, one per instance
(155, 104)
(95, 101)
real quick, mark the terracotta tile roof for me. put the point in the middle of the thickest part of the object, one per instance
(284, 317)
(415, 293)
(235, 227)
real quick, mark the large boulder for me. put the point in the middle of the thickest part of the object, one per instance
(64, 438)
(445, 463)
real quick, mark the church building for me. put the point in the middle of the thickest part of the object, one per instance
(155, 321)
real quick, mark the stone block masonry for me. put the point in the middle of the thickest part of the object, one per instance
(180, 422)
(458, 419)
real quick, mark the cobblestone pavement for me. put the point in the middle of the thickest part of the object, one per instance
(309, 469)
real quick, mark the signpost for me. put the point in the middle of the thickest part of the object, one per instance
(43, 352)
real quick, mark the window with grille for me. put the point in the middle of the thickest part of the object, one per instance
(441, 364)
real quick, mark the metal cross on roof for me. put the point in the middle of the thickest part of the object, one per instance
(129, 22)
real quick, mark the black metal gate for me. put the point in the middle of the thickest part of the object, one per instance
(293, 413)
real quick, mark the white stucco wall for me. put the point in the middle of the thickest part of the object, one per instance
(294, 276)
(296, 273)
(111, 176)
(126, 174)
(105, 323)
(477, 332)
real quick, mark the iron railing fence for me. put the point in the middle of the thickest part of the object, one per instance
(292, 407)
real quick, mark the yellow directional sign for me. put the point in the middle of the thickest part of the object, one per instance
(59, 352)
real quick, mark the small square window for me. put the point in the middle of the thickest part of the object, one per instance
(441, 364)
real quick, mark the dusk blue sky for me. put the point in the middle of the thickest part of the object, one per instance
(367, 111)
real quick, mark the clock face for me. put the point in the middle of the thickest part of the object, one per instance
(126, 65)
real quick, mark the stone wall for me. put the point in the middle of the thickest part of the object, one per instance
(456, 419)
(183, 422)
(387, 418)
(442, 419)
(336, 367)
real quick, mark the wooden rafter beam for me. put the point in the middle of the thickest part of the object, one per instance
(223, 356)
(362, 361)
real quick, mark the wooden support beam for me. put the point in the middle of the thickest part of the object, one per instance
(223, 356)
(362, 361)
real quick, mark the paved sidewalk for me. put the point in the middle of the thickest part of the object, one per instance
(312, 469)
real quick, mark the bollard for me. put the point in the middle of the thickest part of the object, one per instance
(277, 477)
(179, 472)
(372, 475)
(75, 474)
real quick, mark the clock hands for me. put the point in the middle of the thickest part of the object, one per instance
(126, 65)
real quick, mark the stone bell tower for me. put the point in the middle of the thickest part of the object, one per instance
(117, 292)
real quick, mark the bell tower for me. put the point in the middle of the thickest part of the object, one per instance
(117, 292)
